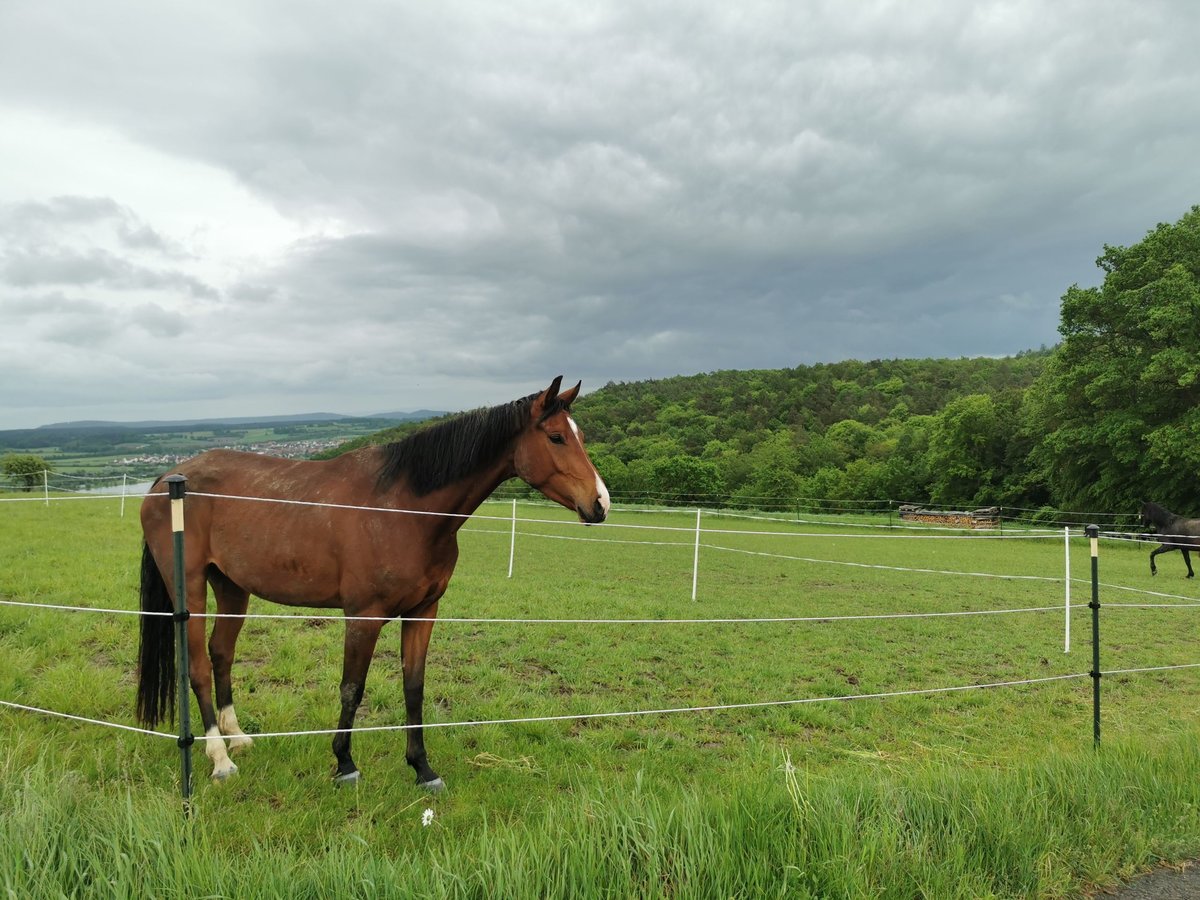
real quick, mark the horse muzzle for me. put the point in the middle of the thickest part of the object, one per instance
(597, 514)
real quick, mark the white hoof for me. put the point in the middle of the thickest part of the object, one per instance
(434, 787)
(348, 778)
(220, 774)
(240, 742)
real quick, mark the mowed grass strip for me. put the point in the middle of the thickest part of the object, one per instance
(538, 778)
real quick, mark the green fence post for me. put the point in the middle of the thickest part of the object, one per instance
(177, 487)
(1093, 533)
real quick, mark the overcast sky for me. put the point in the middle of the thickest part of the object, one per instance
(265, 208)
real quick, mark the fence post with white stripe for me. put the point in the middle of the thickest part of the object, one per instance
(1093, 533)
(177, 487)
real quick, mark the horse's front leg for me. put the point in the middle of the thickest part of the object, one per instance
(359, 648)
(415, 644)
(1187, 558)
(1154, 553)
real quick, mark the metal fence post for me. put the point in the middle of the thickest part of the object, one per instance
(177, 487)
(1093, 533)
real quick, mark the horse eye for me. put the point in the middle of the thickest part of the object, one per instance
(557, 438)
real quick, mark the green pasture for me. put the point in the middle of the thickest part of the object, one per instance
(973, 793)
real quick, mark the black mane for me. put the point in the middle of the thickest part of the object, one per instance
(450, 450)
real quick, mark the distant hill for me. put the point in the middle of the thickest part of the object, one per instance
(93, 437)
(298, 418)
(414, 416)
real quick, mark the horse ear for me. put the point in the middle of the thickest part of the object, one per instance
(566, 398)
(543, 400)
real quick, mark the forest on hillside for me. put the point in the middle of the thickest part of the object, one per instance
(1106, 418)
(911, 430)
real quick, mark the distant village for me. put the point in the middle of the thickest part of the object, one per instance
(287, 449)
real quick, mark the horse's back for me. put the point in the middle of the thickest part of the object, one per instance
(231, 471)
(1181, 532)
(217, 474)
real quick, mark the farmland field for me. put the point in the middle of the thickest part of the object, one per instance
(114, 449)
(765, 774)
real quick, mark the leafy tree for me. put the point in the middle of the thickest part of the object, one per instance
(966, 450)
(25, 468)
(682, 478)
(1119, 402)
(773, 468)
(828, 482)
(851, 438)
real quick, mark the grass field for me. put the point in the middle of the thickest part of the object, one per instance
(973, 793)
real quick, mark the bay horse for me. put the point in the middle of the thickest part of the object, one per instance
(1177, 532)
(385, 565)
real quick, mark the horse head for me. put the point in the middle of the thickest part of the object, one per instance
(1151, 515)
(551, 457)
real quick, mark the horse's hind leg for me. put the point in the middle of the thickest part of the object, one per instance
(200, 672)
(231, 601)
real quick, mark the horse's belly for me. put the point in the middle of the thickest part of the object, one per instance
(276, 567)
(320, 578)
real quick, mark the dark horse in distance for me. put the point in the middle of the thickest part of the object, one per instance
(1176, 532)
(320, 553)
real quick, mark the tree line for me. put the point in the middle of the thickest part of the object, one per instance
(896, 429)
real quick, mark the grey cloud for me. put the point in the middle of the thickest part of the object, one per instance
(159, 322)
(55, 318)
(95, 267)
(29, 223)
(143, 237)
(57, 211)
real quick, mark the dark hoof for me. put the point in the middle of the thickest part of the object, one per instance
(348, 778)
(434, 787)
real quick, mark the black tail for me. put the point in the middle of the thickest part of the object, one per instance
(156, 650)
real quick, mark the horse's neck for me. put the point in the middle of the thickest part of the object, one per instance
(461, 498)
(1163, 517)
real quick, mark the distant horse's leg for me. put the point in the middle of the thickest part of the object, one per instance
(231, 601)
(414, 644)
(359, 648)
(200, 672)
(1187, 558)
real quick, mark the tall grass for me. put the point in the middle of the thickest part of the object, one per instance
(1046, 828)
